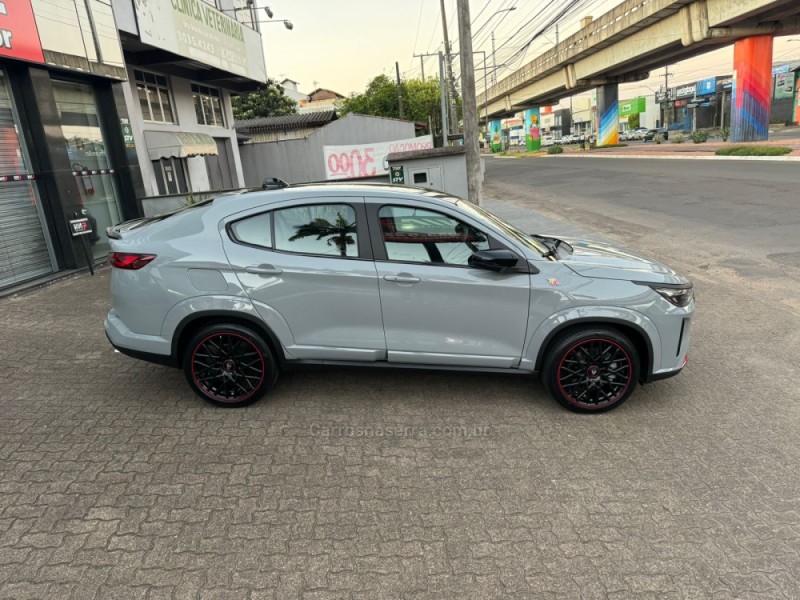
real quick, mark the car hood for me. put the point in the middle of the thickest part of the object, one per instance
(603, 261)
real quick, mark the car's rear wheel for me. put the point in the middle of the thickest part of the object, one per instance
(591, 369)
(229, 365)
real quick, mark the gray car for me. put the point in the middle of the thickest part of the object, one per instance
(236, 289)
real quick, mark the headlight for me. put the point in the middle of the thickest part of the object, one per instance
(681, 296)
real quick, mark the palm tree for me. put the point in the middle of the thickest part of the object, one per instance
(339, 232)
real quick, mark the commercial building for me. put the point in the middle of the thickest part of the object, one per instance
(103, 103)
(184, 59)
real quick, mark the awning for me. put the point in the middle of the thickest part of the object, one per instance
(166, 144)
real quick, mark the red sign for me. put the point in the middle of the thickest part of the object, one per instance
(19, 37)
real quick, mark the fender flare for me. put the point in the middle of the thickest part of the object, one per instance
(533, 354)
(263, 318)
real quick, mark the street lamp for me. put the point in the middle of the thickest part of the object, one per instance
(286, 23)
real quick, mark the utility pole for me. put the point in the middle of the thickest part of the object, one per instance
(399, 89)
(453, 113)
(470, 114)
(422, 62)
(494, 62)
(667, 75)
(443, 92)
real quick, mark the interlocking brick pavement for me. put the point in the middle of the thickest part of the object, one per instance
(117, 482)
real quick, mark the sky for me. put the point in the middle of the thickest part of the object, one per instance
(343, 45)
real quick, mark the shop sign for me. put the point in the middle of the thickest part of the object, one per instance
(685, 91)
(19, 37)
(632, 107)
(784, 86)
(367, 160)
(196, 30)
(80, 227)
(127, 134)
(706, 87)
(396, 175)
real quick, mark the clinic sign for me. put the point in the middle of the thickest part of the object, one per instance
(19, 36)
(367, 160)
(196, 30)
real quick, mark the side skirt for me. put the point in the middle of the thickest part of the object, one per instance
(300, 364)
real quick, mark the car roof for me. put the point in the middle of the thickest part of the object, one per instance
(247, 200)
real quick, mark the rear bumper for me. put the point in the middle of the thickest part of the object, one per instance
(151, 348)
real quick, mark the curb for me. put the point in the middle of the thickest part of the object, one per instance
(669, 157)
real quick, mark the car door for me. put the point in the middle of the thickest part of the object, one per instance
(310, 262)
(437, 309)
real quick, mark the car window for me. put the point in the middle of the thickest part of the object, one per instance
(254, 230)
(419, 235)
(327, 229)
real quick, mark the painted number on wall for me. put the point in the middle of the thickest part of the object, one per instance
(357, 163)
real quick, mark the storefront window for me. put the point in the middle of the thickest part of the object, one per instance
(25, 250)
(87, 153)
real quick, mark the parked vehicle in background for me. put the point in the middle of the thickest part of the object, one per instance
(548, 140)
(235, 289)
(652, 133)
(641, 131)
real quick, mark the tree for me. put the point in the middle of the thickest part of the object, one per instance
(633, 121)
(267, 101)
(420, 101)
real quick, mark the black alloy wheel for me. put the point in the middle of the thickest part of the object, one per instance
(229, 365)
(592, 369)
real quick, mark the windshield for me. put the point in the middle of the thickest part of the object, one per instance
(507, 228)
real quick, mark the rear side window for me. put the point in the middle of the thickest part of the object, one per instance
(254, 230)
(324, 229)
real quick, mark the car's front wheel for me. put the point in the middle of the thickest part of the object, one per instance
(229, 365)
(591, 369)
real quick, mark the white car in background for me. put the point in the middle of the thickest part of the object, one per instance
(548, 140)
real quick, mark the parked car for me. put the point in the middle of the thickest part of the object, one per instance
(641, 131)
(548, 140)
(235, 289)
(652, 133)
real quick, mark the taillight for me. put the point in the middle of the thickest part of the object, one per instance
(132, 262)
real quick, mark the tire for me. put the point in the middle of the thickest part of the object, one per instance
(591, 370)
(229, 365)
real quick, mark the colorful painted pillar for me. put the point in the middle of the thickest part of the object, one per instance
(608, 115)
(495, 136)
(752, 89)
(797, 98)
(533, 137)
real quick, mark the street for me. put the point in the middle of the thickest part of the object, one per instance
(118, 482)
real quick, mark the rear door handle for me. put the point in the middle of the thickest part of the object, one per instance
(263, 270)
(402, 278)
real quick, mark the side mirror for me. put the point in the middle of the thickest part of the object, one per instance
(493, 260)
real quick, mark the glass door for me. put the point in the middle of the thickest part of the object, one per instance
(86, 146)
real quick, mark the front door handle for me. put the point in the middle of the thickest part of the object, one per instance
(402, 278)
(263, 270)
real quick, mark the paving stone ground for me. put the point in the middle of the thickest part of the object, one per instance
(117, 482)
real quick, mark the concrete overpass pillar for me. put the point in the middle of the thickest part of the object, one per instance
(608, 114)
(752, 89)
(533, 138)
(495, 136)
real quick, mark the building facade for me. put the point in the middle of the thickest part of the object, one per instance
(184, 59)
(104, 103)
(63, 154)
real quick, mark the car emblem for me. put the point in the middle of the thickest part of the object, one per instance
(553, 282)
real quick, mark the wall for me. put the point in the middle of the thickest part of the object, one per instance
(301, 161)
